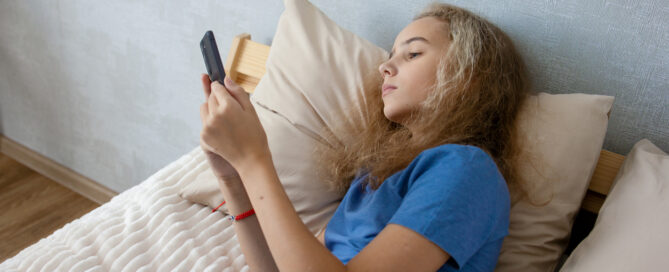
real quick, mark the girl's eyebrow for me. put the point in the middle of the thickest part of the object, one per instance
(408, 41)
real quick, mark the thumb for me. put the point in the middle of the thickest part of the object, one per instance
(237, 92)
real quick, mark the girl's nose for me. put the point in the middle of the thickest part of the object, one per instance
(387, 69)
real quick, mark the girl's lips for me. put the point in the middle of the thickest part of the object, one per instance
(387, 90)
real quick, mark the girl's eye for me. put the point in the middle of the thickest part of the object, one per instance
(413, 55)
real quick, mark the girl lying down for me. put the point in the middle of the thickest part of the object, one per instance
(428, 183)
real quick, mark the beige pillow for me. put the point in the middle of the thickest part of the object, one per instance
(563, 136)
(630, 233)
(316, 69)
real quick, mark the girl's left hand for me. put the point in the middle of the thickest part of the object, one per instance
(231, 127)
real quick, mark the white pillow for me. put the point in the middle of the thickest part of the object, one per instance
(630, 233)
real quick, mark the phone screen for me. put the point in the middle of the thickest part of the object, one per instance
(212, 59)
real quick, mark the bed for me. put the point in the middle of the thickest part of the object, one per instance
(150, 228)
(146, 228)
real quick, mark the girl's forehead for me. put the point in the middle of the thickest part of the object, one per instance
(430, 29)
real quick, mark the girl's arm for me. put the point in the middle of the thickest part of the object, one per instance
(250, 236)
(293, 246)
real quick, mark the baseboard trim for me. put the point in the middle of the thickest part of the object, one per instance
(55, 171)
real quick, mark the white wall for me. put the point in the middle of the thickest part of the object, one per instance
(111, 89)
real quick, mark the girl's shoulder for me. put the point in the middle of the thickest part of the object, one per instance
(456, 148)
(455, 161)
(455, 152)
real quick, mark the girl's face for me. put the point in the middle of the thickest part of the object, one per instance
(411, 69)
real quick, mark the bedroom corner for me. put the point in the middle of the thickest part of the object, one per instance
(100, 127)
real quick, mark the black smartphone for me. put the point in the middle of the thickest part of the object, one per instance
(211, 57)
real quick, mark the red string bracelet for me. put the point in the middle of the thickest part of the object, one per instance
(239, 216)
(245, 214)
(218, 206)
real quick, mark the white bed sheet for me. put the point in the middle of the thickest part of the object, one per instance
(146, 228)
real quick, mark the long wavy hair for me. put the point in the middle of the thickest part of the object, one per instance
(479, 88)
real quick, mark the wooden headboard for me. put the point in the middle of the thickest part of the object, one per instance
(245, 64)
(246, 61)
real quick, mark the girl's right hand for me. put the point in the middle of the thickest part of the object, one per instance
(221, 167)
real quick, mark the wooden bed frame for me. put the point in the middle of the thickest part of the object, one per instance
(245, 64)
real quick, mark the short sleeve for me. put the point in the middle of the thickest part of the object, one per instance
(456, 198)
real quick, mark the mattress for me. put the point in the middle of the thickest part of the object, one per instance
(146, 228)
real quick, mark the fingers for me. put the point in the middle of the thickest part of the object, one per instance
(223, 95)
(230, 95)
(206, 85)
(204, 113)
(212, 102)
(237, 92)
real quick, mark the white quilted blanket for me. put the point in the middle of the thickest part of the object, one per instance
(146, 228)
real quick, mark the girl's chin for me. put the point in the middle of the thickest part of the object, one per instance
(390, 115)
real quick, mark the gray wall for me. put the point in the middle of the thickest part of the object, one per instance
(111, 88)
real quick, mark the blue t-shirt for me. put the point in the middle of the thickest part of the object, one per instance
(452, 194)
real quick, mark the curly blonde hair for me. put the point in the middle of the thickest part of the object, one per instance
(479, 88)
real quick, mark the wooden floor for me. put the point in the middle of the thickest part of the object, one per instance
(33, 206)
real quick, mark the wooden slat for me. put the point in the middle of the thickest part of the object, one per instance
(602, 179)
(605, 172)
(247, 82)
(246, 61)
(252, 62)
(233, 55)
(55, 171)
(593, 202)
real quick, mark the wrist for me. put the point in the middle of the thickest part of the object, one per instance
(236, 199)
(252, 162)
(227, 178)
(232, 185)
